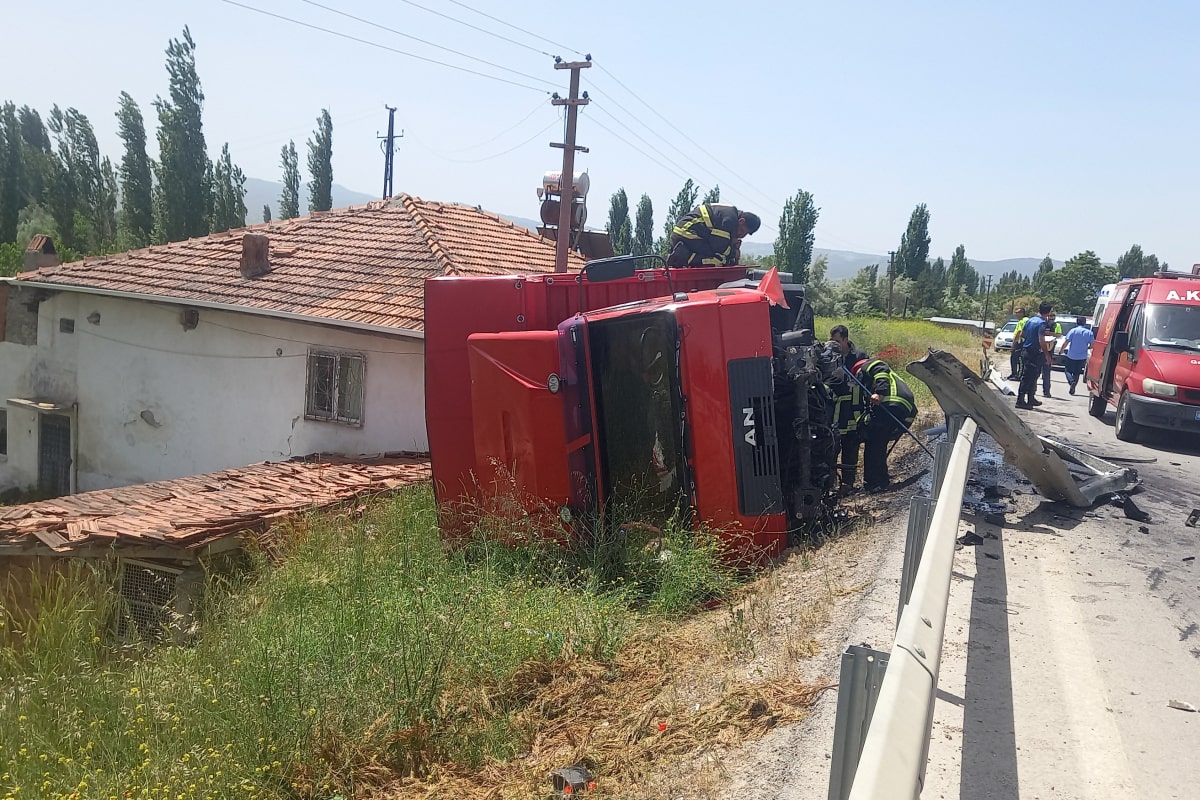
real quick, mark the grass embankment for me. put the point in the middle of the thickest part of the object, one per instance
(899, 342)
(360, 653)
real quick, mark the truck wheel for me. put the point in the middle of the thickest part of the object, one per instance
(1097, 406)
(1126, 429)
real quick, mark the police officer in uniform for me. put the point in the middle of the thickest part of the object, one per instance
(710, 235)
(892, 411)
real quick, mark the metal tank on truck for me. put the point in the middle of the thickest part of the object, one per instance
(651, 391)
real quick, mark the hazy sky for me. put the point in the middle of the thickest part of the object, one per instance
(1027, 127)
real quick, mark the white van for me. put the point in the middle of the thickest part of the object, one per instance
(1101, 301)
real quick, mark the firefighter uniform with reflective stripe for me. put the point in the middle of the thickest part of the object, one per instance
(848, 408)
(889, 419)
(705, 237)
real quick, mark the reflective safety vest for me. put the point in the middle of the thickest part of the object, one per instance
(847, 405)
(892, 389)
(1020, 327)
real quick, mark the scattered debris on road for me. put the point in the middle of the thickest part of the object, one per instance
(970, 539)
(1181, 705)
(1193, 518)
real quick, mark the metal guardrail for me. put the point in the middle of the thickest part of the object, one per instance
(892, 760)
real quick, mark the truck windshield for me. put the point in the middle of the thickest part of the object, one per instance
(1171, 326)
(639, 413)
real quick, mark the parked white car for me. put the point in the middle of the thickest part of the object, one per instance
(1004, 339)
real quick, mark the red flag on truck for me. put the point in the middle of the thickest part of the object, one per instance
(772, 288)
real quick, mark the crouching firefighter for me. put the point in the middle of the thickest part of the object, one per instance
(892, 410)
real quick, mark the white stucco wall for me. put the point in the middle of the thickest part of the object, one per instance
(228, 393)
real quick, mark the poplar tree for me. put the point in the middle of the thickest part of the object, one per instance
(289, 198)
(320, 164)
(620, 231)
(643, 228)
(793, 248)
(183, 193)
(913, 254)
(137, 208)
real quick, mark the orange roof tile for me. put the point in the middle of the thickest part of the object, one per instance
(365, 265)
(189, 513)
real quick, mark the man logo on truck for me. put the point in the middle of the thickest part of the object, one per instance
(1191, 295)
(748, 423)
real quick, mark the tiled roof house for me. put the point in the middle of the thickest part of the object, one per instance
(256, 345)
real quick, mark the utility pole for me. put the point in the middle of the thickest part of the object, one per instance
(891, 279)
(986, 297)
(389, 148)
(566, 197)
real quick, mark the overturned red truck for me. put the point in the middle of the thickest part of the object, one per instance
(650, 390)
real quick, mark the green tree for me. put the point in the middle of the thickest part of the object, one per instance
(713, 195)
(320, 164)
(12, 172)
(37, 154)
(956, 273)
(137, 185)
(1136, 264)
(229, 194)
(859, 295)
(930, 288)
(914, 244)
(684, 202)
(74, 194)
(183, 192)
(266, 213)
(108, 194)
(818, 290)
(620, 230)
(289, 198)
(1073, 288)
(793, 248)
(643, 227)
(1044, 268)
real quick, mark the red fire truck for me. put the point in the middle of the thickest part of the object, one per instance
(649, 390)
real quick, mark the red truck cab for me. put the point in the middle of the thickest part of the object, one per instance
(1146, 357)
(557, 396)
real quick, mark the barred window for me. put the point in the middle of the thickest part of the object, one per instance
(335, 387)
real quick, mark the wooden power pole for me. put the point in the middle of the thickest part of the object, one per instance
(566, 197)
(891, 279)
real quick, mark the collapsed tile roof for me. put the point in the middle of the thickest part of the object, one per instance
(187, 514)
(365, 265)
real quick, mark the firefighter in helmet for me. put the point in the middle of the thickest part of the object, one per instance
(710, 235)
(892, 410)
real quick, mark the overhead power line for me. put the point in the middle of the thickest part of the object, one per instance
(508, 24)
(369, 43)
(426, 42)
(494, 155)
(499, 36)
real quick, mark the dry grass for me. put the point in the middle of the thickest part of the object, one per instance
(662, 717)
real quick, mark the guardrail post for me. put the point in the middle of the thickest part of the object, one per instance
(858, 688)
(920, 511)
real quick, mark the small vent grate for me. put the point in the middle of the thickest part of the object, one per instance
(148, 592)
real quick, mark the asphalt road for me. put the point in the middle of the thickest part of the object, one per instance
(1071, 630)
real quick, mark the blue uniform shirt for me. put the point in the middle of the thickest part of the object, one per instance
(1031, 334)
(1078, 339)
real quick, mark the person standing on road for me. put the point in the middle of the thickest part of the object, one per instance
(1014, 356)
(1079, 339)
(1052, 332)
(892, 411)
(848, 408)
(1035, 353)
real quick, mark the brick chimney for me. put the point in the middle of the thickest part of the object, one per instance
(255, 250)
(40, 253)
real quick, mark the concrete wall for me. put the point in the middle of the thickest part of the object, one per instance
(155, 401)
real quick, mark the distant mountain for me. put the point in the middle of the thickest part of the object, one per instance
(846, 263)
(260, 193)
